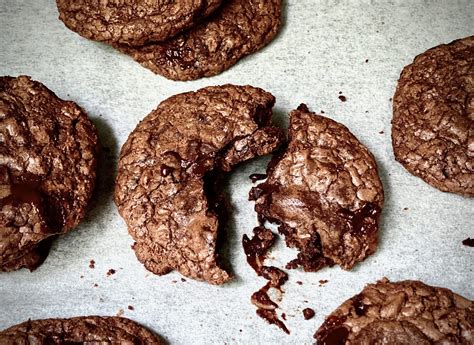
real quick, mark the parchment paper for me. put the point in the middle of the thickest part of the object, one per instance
(320, 51)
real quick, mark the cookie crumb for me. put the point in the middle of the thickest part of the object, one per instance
(183, 280)
(110, 272)
(283, 316)
(322, 282)
(322, 112)
(96, 285)
(130, 307)
(82, 277)
(381, 132)
(92, 264)
(342, 98)
(366, 60)
(120, 312)
(469, 242)
(299, 282)
(405, 209)
(308, 313)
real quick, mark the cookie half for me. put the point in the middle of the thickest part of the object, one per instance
(324, 192)
(167, 187)
(407, 312)
(237, 29)
(79, 330)
(433, 117)
(47, 169)
(133, 22)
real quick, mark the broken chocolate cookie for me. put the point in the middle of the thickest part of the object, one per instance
(407, 312)
(133, 22)
(237, 29)
(79, 330)
(324, 192)
(47, 169)
(165, 188)
(433, 117)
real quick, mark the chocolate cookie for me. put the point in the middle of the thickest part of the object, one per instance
(324, 192)
(133, 22)
(166, 185)
(47, 169)
(433, 117)
(237, 29)
(407, 312)
(79, 330)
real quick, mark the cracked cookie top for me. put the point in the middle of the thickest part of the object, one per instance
(47, 168)
(133, 22)
(407, 312)
(325, 193)
(433, 117)
(168, 167)
(83, 330)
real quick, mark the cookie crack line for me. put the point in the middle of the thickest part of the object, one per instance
(198, 136)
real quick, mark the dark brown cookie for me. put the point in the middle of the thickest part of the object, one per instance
(47, 169)
(324, 191)
(237, 29)
(133, 22)
(407, 312)
(166, 184)
(79, 330)
(433, 117)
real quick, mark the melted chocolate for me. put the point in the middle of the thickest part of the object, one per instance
(337, 336)
(23, 193)
(274, 275)
(271, 317)
(363, 220)
(257, 177)
(359, 307)
(262, 300)
(468, 242)
(332, 332)
(256, 248)
(166, 170)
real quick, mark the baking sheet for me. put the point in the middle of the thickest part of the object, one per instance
(320, 51)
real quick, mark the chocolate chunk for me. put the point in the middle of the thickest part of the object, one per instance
(79, 330)
(324, 191)
(201, 135)
(308, 313)
(266, 308)
(468, 242)
(237, 29)
(47, 170)
(407, 312)
(433, 117)
(256, 248)
(257, 177)
(133, 22)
